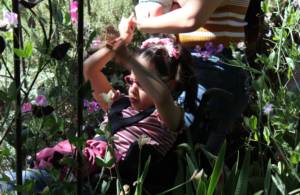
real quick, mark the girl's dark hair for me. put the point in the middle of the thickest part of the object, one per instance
(179, 69)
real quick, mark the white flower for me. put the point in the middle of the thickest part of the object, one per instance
(268, 108)
(10, 19)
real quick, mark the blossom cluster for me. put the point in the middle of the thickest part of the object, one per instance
(40, 100)
(91, 106)
(74, 12)
(208, 51)
(168, 43)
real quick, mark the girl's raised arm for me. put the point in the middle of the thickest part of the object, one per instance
(96, 62)
(92, 72)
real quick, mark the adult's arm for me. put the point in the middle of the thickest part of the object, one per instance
(191, 16)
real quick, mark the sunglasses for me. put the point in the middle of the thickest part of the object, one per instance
(130, 81)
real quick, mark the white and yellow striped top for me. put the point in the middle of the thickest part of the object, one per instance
(225, 25)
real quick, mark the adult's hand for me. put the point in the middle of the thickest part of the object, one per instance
(126, 28)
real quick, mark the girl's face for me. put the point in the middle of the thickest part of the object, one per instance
(138, 97)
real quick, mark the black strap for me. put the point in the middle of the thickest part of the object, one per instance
(115, 115)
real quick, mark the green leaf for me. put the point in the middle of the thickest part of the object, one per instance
(26, 52)
(185, 147)
(267, 135)
(210, 157)
(108, 159)
(259, 192)
(214, 178)
(290, 62)
(232, 178)
(3, 96)
(105, 186)
(271, 59)
(273, 189)
(58, 14)
(253, 122)
(91, 38)
(142, 177)
(28, 49)
(146, 168)
(267, 178)
(296, 191)
(12, 91)
(191, 168)
(242, 183)
(202, 189)
(265, 6)
(279, 184)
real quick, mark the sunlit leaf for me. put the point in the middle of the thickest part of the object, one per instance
(217, 170)
(26, 52)
(279, 184)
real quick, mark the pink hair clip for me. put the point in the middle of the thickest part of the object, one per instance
(166, 42)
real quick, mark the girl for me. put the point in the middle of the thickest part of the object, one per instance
(160, 68)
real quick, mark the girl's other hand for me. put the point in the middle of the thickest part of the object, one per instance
(126, 28)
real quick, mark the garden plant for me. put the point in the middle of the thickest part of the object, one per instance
(267, 160)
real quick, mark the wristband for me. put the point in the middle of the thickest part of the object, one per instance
(109, 46)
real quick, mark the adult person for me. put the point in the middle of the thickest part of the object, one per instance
(210, 26)
(195, 21)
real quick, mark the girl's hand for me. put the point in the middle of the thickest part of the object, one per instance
(126, 28)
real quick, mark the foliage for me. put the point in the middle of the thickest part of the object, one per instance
(49, 69)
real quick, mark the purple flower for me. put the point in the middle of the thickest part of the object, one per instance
(26, 107)
(85, 103)
(209, 46)
(268, 108)
(92, 106)
(209, 50)
(41, 100)
(205, 55)
(95, 106)
(197, 49)
(220, 48)
(10, 18)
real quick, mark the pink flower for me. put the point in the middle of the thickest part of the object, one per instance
(96, 43)
(10, 18)
(41, 100)
(166, 42)
(74, 12)
(26, 107)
